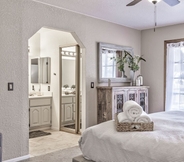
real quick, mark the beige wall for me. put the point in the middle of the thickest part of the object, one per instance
(20, 19)
(153, 70)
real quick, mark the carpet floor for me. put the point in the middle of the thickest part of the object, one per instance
(65, 155)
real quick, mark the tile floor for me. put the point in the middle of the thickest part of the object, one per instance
(58, 140)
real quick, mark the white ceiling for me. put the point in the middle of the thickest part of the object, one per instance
(140, 16)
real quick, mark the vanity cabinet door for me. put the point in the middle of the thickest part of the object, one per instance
(62, 111)
(35, 116)
(68, 112)
(73, 112)
(45, 115)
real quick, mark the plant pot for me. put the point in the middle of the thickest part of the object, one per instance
(133, 78)
(123, 75)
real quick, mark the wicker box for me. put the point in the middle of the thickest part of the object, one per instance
(131, 127)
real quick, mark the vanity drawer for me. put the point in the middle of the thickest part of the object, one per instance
(67, 100)
(40, 102)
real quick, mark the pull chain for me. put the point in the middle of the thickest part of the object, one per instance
(155, 16)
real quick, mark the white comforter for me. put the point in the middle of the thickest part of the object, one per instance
(102, 143)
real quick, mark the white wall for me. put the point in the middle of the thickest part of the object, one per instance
(153, 69)
(34, 52)
(20, 19)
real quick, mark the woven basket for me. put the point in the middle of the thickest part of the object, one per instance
(131, 127)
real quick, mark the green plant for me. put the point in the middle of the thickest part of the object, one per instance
(120, 61)
(133, 61)
(66, 86)
(73, 87)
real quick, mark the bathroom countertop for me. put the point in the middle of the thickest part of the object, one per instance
(40, 96)
(69, 95)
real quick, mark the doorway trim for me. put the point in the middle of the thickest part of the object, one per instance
(83, 117)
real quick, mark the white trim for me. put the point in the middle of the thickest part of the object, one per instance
(18, 158)
(54, 128)
(88, 15)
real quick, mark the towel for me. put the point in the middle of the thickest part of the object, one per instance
(143, 118)
(132, 109)
(122, 118)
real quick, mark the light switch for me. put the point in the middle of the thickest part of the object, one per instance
(10, 86)
(92, 84)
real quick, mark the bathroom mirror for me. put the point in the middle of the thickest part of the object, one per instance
(40, 70)
(45, 70)
(107, 67)
(35, 70)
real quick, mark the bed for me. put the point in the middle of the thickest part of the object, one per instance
(102, 143)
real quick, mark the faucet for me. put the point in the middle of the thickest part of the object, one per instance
(39, 87)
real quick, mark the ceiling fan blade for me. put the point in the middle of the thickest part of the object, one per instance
(133, 2)
(172, 2)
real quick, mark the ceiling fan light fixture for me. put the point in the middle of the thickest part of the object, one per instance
(154, 1)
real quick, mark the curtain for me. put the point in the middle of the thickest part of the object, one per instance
(175, 76)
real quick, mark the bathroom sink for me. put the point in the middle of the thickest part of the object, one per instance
(39, 94)
(36, 94)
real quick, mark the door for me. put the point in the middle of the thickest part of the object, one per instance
(132, 95)
(45, 115)
(68, 113)
(143, 99)
(119, 99)
(70, 82)
(35, 116)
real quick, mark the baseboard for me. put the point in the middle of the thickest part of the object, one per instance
(18, 158)
(54, 128)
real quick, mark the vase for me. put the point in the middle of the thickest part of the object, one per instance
(123, 75)
(132, 77)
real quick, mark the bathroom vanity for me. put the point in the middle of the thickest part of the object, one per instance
(68, 109)
(40, 112)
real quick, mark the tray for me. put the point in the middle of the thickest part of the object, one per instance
(131, 127)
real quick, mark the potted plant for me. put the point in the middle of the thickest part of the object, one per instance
(133, 64)
(121, 61)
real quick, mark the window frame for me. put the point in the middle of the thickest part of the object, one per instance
(165, 62)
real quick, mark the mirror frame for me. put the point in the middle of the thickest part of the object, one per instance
(40, 70)
(42, 67)
(38, 78)
(113, 46)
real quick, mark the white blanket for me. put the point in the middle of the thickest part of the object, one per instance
(132, 109)
(123, 118)
(102, 143)
(143, 118)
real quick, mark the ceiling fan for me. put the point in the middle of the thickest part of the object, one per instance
(169, 2)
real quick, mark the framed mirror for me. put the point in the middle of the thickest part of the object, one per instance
(40, 70)
(35, 70)
(45, 70)
(107, 67)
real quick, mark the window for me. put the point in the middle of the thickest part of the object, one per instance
(108, 64)
(175, 76)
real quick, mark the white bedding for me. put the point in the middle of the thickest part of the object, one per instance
(102, 143)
